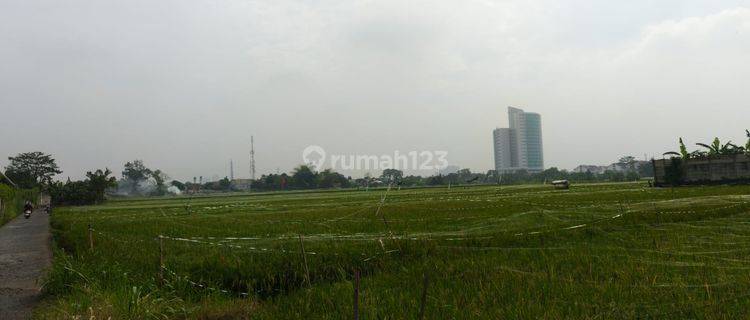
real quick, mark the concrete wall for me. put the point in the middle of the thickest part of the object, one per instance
(734, 168)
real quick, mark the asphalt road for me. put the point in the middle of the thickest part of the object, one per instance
(24, 256)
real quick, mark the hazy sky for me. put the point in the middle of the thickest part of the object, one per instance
(182, 84)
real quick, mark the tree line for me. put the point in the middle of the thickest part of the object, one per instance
(36, 170)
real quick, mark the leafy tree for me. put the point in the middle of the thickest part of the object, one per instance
(72, 193)
(552, 174)
(136, 172)
(392, 176)
(627, 162)
(159, 177)
(632, 176)
(90, 191)
(412, 181)
(98, 183)
(436, 180)
(646, 170)
(304, 177)
(330, 179)
(32, 169)
(224, 184)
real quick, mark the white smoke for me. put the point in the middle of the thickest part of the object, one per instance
(174, 190)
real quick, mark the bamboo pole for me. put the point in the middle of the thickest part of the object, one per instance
(161, 260)
(304, 259)
(356, 294)
(91, 238)
(425, 283)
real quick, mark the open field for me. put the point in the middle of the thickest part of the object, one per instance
(595, 251)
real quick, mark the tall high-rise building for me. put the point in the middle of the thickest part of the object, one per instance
(520, 146)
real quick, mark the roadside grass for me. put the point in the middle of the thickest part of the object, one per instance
(595, 251)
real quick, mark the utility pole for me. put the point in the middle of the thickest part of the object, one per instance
(231, 170)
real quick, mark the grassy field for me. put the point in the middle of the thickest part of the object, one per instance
(595, 251)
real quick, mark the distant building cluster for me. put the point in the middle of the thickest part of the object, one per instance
(519, 147)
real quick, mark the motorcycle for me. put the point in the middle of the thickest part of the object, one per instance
(27, 214)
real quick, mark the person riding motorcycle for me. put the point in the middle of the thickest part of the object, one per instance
(28, 206)
(27, 209)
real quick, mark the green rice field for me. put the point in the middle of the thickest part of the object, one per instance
(598, 251)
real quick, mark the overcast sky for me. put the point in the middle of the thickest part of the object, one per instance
(182, 84)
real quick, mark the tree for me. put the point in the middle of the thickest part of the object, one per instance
(32, 169)
(646, 170)
(392, 176)
(159, 178)
(330, 179)
(747, 145)
(412, 181)
(136, 172)
(435, 180)
(99, 181)
(178, 185)
(632, 176)
(71, 193)
(304, 177)
(627, 162)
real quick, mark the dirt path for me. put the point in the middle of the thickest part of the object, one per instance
(24, 255)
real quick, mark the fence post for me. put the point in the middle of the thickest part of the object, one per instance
(425, 283)
(356, 294)
(161, 260)
(304, 259)
(91, 238)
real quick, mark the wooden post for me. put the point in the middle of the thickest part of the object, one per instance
(304, 259)
(424, 296)
(91, 238)
(356, 294)
(161, 260)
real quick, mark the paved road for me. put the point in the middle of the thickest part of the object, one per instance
(24, 256)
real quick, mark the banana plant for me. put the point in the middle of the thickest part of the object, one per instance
(718, 149)
(683, 151)
(735, 149)
(714, 149)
